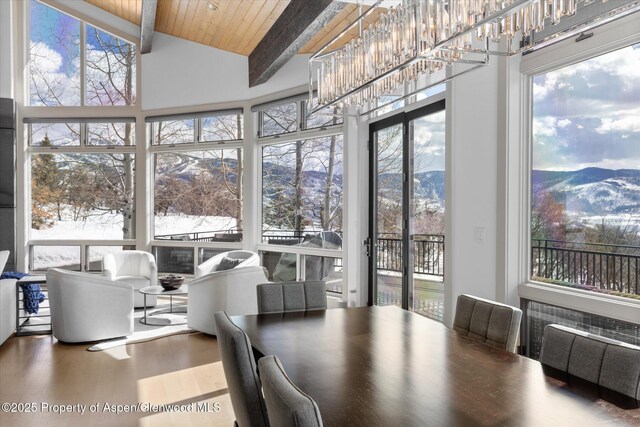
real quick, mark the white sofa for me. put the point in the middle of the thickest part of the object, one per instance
(7, 302)
(233, 291)
(85, 307)
(138, 268)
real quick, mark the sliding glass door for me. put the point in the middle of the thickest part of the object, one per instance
(388, 203)
(406, 235)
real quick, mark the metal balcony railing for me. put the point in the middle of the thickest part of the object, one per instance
(592, 266)
(428, 254)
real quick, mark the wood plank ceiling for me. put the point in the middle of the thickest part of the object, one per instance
(235, 25)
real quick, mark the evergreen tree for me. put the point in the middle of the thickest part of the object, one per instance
(280, 212)
(45, 188)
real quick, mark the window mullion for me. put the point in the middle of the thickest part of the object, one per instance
(83, 72)
(302, 113)
(83, 135)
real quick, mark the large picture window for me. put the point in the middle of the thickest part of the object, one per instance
(82, 196)
(82, 188)
(81, 170)
(197, 186)
(197, 195)
(301, 191)
(301, 188)
(72, 63)
(585, 180)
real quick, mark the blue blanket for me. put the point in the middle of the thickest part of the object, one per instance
(32, 293)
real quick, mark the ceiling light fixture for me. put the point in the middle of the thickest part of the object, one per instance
(212, 5)
(417, 41)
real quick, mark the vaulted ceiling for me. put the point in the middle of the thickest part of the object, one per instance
(233, 25)
(269, 32)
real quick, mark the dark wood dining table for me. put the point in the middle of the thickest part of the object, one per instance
(383, 366)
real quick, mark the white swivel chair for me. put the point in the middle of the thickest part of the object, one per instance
(242, 258)
(233, 291)
(138, 268)
(86, 307)
(7, 302)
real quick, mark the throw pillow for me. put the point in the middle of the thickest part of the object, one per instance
(227, 263)
(4, 256)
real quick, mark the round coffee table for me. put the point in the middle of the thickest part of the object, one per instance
(156, 319)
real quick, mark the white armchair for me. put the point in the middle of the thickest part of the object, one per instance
(7, 302)
(247, 258)
(233, 291)
(86, 307)
(138, 268)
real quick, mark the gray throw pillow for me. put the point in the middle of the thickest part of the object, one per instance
(227, 263)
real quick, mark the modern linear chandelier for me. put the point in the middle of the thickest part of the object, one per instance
(413, 40)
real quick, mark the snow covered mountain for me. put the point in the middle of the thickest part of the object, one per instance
(589, 191)
(592, 191)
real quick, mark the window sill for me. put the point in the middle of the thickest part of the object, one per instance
(615, 307)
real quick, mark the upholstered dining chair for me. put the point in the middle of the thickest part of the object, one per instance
(287, 405)
(240, 371)
(138, 268)
(86, 307)
(488, 321)
(610, 364)
(292, 296)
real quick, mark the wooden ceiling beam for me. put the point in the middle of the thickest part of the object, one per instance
(299, 22)
(147, 24)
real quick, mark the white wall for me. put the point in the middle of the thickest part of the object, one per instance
(471, 194)
(180, 73)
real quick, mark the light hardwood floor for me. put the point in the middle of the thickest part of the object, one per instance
(177, 370)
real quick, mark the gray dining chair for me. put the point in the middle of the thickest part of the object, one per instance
(488, 321)
(556, 348)
(612, 365)
(292, 296)
(240, 371)
(287, 405)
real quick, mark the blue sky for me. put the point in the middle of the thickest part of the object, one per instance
(55, 61)
(61, 33)
(58, 31)
(588, 114)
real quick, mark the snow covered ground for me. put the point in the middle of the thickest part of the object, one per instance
(618, 220)
(177, 224)
(109, 227)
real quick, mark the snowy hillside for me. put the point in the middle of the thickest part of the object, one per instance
(592, 191)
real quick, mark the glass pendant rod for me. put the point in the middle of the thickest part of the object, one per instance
(422, 88)
(420, 37)
(596, 22)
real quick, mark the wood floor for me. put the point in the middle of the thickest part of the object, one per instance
(183, 371)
